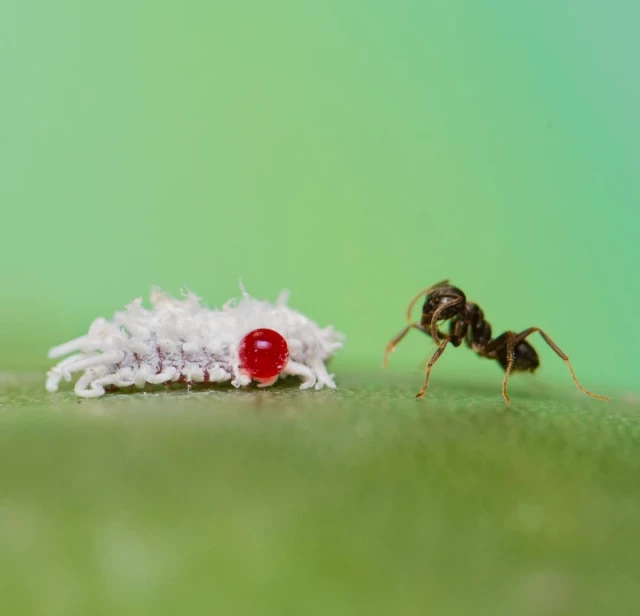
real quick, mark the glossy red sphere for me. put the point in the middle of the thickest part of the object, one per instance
(263, 354)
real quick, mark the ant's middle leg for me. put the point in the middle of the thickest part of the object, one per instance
(432, 361)
(508, 341)
(397, 339)
(527, 332)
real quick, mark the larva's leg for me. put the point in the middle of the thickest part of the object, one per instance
(105, 381)
(324, 378)
(52, 382)
(218, 374)
(193, 374)
(122, 378)
(141, 377)
(165, 376)
(76, 363)
(67, 347)
(84, 344)
(58, 372)
(87, 387)
(103, 359)
(268, 382)
(296, 369)
(240, 377)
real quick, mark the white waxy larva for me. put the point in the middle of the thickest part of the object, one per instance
(179, 340)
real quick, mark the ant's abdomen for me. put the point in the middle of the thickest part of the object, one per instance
(525, 358)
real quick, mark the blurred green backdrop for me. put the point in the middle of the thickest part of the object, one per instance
(352, 152)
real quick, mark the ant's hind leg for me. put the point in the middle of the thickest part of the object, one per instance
(397, 339)
(527, 332)
(432, 361)
(510, 359)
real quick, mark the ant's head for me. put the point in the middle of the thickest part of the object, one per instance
(445, 300)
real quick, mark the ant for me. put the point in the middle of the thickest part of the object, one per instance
(444, 302)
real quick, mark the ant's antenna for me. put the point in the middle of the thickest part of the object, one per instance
(412, 303)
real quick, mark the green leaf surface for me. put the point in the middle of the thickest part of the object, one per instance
(362, 500)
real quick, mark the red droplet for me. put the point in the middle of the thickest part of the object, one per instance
(263, 354)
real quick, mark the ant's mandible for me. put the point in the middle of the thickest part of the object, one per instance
(444, 302)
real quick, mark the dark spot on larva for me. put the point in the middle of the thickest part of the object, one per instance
(160, 358)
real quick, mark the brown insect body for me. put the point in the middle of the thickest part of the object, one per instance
(444, 302)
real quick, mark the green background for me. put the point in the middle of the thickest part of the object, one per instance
(351, 152)
(354, 153)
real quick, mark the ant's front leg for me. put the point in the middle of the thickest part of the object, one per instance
(397, 339)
